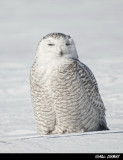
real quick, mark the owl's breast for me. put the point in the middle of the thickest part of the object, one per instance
(65, 86)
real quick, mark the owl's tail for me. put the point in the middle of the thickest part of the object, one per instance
(103, 126)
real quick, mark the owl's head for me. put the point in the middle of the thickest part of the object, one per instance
(56, 46)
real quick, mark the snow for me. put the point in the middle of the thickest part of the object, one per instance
(96, 26)
(25, 141)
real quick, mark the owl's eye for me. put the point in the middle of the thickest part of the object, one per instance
(51, 44)
(67, 44)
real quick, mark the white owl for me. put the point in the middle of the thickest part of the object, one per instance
(64, 91)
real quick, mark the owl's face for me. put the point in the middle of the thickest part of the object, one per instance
(56, 46)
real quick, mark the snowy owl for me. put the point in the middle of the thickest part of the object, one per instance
(64, 91)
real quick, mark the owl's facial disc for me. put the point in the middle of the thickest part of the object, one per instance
(57, 46)
(60, 47)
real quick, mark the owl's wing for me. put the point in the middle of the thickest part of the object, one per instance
(42, 103)
(92, 92)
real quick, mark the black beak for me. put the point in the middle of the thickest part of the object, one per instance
(61, 53)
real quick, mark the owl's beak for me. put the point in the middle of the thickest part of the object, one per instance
(61, 53)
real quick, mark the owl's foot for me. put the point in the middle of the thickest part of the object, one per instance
(43, 130)
(63, 130)
(59, 130)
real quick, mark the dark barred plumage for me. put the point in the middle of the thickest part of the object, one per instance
(55, 35)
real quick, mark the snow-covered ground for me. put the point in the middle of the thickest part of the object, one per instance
(97, 28)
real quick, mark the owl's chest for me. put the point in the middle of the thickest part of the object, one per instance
(61, 79)
(64, 82)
